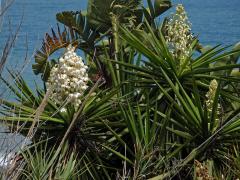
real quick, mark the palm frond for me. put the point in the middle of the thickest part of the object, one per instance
(52, 43)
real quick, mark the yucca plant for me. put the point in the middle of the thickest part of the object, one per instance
(196, 131)
(156, 102)
(41, 162)
(87, 134)
(24, 109)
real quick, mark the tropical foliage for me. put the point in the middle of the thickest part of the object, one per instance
(157, 106)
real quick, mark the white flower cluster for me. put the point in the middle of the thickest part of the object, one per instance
(211, 96)
(69, 78)
(178, 33)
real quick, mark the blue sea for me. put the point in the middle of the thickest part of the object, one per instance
(214, 21)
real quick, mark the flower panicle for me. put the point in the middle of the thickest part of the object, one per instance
(211, 96)
(68, 78)
(178, 34)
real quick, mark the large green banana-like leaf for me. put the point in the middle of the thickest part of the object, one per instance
(79, 23)
(99, 13)
(73, 20)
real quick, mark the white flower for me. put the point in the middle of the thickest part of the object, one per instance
(69, 78)
(63, 110)
(211, 94)
(178, 34)
(210, 100)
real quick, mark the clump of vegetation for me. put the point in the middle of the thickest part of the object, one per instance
(148, 102)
